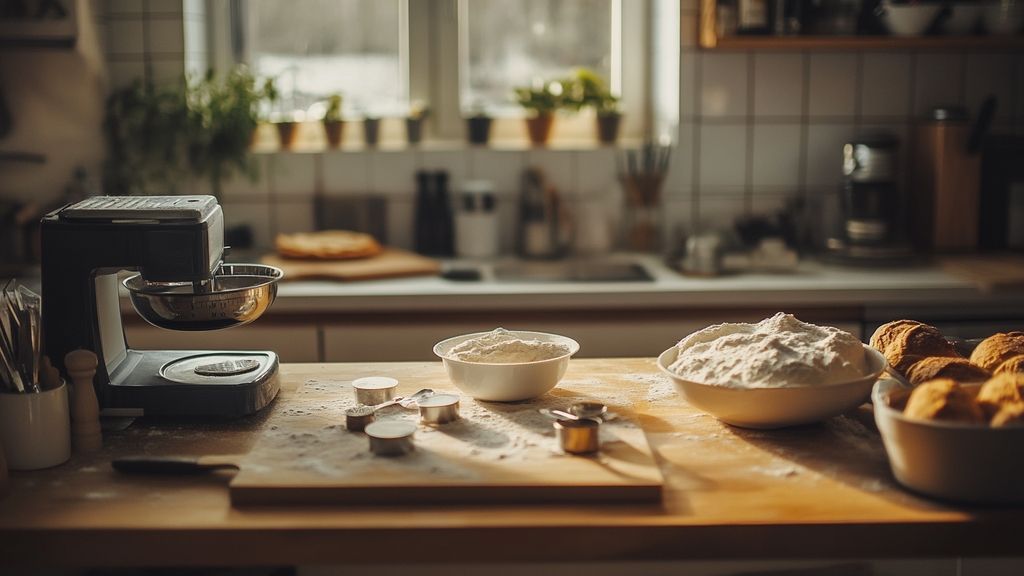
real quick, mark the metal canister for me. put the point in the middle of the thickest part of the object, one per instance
(578, 436)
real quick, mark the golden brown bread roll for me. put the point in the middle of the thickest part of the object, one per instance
(1009, 415)
(945, 400)
(1014, 365)
(886, 333)
(997, 349)
(1000, 391)
(959, 369)
(915, 343)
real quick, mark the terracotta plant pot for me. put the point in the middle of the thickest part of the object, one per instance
(286, 133)
(335, 131)
(371, 132)
(539, 128)
(608, 128)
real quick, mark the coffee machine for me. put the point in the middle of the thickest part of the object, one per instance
(176, 246)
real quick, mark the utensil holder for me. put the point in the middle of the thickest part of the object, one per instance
(643, 218)
(35, 428)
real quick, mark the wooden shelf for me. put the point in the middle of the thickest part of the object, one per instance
(824, 43)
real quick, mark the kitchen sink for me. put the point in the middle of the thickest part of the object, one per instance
(571, 271)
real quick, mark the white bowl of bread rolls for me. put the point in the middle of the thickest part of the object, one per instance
(958, 433)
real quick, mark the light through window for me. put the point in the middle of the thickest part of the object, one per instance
(315, 48)
(527, 42)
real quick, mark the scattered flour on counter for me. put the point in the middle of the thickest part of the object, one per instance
(659, 387)
(777, 352)
(503, 347)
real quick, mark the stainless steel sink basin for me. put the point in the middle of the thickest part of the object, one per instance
(571, 271)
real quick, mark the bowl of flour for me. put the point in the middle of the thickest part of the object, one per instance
(774, 373)
(506, 365)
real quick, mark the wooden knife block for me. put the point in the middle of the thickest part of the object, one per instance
(946, 184)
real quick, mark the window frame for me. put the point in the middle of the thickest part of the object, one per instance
(432, 35)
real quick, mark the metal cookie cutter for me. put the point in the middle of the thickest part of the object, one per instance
(373, 390)
(391, 438)
(439, 409)
(581, 436)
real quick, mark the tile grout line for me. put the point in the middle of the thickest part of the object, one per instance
(698, 111)
(804, 123)
(748, 192)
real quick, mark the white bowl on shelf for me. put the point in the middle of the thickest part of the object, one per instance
(949, 460)
(506, 382)
(768, 408)
(909, 19)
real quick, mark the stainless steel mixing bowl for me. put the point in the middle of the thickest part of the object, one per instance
(236, 295)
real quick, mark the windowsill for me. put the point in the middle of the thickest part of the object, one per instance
(311, 140)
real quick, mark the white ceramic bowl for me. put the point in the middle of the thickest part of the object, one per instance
(948, 460)
(776, 407)
(909, 19)
(506, 382)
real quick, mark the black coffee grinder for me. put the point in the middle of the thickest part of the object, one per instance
(176, 244)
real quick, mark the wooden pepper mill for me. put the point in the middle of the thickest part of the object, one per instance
(85, 409)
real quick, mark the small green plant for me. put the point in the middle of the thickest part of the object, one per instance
(546, 99)
(156, 136)
(333, 113)
(589, 89)
(418, 110)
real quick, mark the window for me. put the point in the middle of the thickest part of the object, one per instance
(527, 42)
(315, 48)
(458, 56)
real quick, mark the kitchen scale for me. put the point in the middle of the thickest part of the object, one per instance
(176, 244)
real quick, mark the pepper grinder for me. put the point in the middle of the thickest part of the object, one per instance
(85, 409)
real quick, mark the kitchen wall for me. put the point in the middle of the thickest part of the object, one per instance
(754, 128)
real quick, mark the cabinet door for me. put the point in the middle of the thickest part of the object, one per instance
(293, 343)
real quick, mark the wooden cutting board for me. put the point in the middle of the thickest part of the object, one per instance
(390, 263)
(496, 453)
(988, 271)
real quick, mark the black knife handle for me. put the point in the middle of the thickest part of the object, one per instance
(166, 465)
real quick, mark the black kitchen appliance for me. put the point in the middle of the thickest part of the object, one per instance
(176, 244)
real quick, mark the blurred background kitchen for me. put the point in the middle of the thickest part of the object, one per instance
(618, 169)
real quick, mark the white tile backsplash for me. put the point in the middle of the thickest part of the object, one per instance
(719, 211)
(597, 172)
(346, 173)
(256, 215)
(293, 175)
(776, 150)
(165, 6)
(825, 153)
(123, 74)
(778, 85)
(723, 156)
(559, 167)
(723, 84)
(990, 74)
(938, 80)
(166, 35)
(504, 168)
(401, 213)
(242, 187)
(125, 37)
(393, 172)
(885, 89)
(292, 217)
(688, 85)
(167, 71)
(833, 85)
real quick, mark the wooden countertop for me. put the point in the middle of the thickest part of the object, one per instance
(821, 491)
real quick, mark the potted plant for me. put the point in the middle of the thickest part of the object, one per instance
(371, 131)
(334, 126)
(287, 129)
(414, 122)
(542, 102)
(478, 126)
(589, 90)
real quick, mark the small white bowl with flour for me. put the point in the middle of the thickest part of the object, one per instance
(776, 373)
(506, 365)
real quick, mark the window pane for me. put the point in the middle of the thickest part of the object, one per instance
(315, 48)
(527, 42)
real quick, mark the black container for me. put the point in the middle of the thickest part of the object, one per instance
(479, 129)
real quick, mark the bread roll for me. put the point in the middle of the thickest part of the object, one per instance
(887, 333)
(916, 343)
(1014, 365)
(959, 369)
(945, 400)
(997, 349)
(1000, 391)
(1009, 415)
